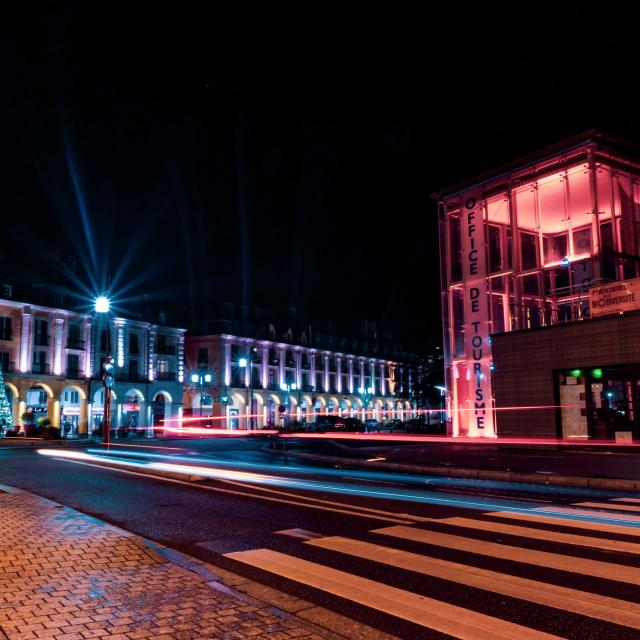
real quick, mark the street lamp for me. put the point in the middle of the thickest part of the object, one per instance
(103, 305)
(246, 362)
(442, 390)
(366, 395)
(288, 388)
(200, 378)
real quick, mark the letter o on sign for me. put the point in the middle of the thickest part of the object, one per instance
(470, 203)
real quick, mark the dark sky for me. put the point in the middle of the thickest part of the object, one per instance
(283, 156)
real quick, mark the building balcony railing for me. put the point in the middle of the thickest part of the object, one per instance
(78, 345)
(41, 368)
(166, 349)
(41, 340)
(166, 375)
(74, 374)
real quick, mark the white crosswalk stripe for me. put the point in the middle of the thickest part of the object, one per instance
(455, 620)
(434, 614)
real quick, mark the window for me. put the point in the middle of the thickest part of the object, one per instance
(203, 356)
(41, 336)
(74, 340)
(71, 397)
(73, 369)
(456, 249)
(582, 241)
(497, 313)
(133, 369)
(163, 365)
(495, 251)
(272, 377)
(4, 361)
(458, 322)
(529, 247)
(103, 340)
(555, 248)
(134, 344)
(5, 328)
(7, 291)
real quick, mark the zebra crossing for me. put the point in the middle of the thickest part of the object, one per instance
(583, 584)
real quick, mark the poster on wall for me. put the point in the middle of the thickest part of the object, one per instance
(615, 297)
(474, 404)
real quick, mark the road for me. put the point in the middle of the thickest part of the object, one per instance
(415, 556)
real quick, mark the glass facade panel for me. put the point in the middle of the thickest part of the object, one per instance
(495, 250)
(529, 250)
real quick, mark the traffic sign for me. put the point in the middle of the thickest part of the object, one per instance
(282, 408)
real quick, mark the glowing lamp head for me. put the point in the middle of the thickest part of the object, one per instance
(194, 377)
(293, 387)
(360, 390)
(243, 362)
(370, 390)
(207, 377)
(283, 386)
(102, 304)
(566, 261)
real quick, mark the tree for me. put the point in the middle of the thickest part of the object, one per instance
(6, 417)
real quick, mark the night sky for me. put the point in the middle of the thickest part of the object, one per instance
(282, 157)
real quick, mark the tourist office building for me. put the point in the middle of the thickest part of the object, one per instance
(539, 260)
(52, 362)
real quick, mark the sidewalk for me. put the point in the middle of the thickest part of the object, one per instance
(65, 575)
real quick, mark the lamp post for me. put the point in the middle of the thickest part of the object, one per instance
(200, 378)
(102, 305)
(365, 396)
(288, 388)
(243, 363)
(442, 392)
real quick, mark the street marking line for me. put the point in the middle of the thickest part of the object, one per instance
(607, 505)
(433, 614)
(572, 564)
(334, 503)
(566, 522)
(633, 520)
(550, 595)
(238, 493)
(543, 534)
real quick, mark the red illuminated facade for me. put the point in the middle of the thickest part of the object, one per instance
(520, 248)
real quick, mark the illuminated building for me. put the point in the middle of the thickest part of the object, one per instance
(520, 248)
(52, 360)
(274, 380)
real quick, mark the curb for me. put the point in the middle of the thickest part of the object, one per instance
(616, 484)
(331, 625)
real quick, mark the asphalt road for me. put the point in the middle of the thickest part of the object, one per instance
(376, 542)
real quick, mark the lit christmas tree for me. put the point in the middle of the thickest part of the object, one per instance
(6, 419)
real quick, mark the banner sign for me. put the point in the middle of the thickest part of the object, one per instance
(130, 407)
(476, 416)
(615, 297)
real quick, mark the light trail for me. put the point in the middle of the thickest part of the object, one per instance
(310, 485)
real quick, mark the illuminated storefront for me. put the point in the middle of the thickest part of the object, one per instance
(520, 248)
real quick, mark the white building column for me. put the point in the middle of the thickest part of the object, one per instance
(383, 382)
(339, 374)
(351, 387)
(326, 373)
(362, 384)
(58, 337)
(227, 364)
(313, 370)
(298, 357)
(372, 370)
(264, 377)
(281, 366)
(88, 353)
(25, 341)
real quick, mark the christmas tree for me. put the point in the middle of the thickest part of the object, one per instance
(6, 418)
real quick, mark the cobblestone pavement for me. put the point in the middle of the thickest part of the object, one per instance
(67, 575)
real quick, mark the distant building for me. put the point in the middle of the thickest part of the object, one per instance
(271, 375)
(521, 248)
(52, 359)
